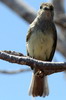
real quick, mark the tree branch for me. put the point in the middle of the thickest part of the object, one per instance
(21, 8)
(59, 7)
(47, 67)
(15, 71)
(61, 21)
(13, 53)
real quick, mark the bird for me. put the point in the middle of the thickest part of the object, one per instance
(41, 41)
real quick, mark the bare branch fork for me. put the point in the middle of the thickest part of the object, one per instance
(46, 67)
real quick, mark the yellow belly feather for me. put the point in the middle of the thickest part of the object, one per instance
(39, 45)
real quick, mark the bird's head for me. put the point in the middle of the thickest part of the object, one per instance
(46, 11)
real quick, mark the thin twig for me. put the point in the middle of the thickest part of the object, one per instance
(15, 71)
(13, 53)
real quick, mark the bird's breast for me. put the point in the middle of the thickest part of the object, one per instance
(40, 44)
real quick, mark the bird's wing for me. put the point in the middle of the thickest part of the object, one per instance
(54, 44)
(29, 34)
(28, 37)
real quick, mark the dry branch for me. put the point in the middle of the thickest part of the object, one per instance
(21, 8)
(15, 71)
(60, 20)
(59, 7)
(47, 67)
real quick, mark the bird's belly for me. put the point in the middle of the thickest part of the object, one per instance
(39, 45)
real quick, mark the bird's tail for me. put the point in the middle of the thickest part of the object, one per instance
(39, 86)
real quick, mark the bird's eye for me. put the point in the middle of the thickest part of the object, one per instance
(40, 7)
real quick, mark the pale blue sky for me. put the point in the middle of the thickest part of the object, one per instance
(13, 31)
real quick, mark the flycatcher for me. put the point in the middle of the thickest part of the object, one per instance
(41, 44)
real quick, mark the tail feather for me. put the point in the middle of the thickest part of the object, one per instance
(46, 88)
(39, 86)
